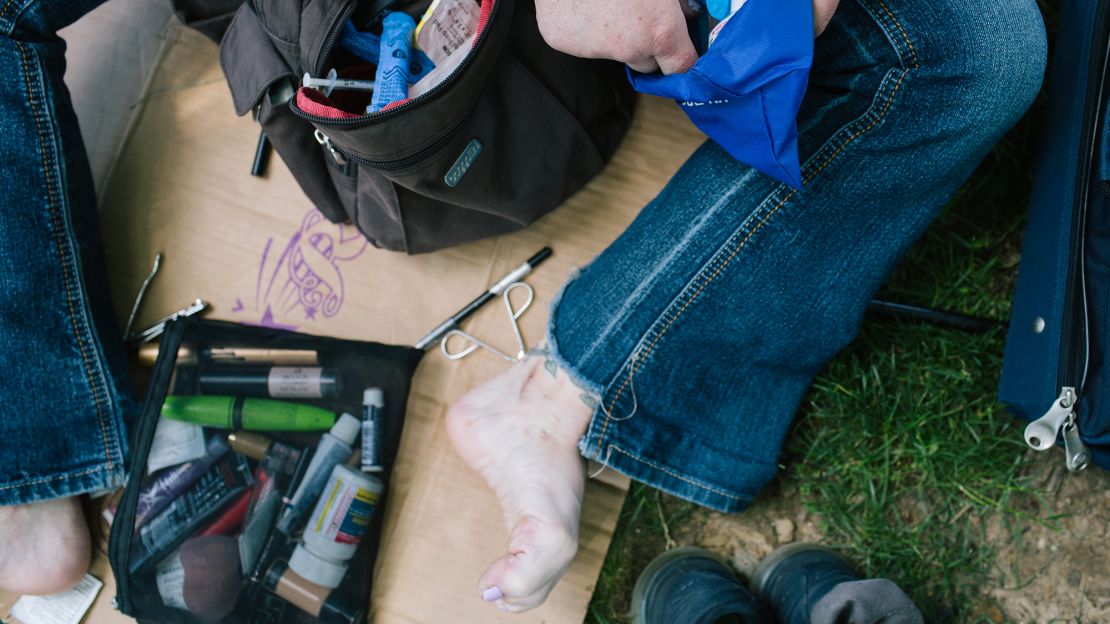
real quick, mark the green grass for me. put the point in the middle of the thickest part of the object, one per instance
(901, 449)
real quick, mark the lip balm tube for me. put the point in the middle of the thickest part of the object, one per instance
(372, 403)
(169, 484)
(334, 448)
(279, 382)
(226, 412)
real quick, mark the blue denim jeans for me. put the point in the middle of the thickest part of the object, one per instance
(63, 379)
(701, 327)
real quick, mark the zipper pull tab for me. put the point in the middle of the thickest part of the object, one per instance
(1077, 453)
(1041, 433)
(322, 139)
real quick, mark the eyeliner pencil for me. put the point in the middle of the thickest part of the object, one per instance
(513, 276)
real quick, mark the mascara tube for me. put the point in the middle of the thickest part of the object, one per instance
(277, 382)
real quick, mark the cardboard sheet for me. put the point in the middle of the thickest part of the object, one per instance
(182, 187)
(119, 43)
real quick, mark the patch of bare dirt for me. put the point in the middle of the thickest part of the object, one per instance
(1057, 573)
(1054, 572)
(777, 518)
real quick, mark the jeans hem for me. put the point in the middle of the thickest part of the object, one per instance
(670, 481)
(593, 388)
(62, 485)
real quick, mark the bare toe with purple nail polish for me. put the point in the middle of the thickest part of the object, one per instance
(520, 432)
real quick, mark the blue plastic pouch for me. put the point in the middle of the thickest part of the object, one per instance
(745, 91)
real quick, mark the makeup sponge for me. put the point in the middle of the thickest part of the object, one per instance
(212, 576)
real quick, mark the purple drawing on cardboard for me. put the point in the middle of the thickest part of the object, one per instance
(304, 281)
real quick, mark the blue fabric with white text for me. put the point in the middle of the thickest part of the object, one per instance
(746, 90)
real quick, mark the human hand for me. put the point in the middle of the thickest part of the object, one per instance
(644, 34)
(822, 12)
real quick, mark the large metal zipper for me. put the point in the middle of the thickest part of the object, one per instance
(1063, 414)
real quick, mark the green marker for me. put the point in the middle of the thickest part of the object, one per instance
(226, 412)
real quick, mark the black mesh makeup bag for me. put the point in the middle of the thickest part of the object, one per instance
(198, 359)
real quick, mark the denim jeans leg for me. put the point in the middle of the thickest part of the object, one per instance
(701, 326)
(65, 386)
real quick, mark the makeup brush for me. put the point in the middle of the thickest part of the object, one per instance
(212, 575)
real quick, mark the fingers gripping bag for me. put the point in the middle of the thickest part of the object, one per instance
(745, 91)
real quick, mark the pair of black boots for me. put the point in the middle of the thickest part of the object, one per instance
(796, 584)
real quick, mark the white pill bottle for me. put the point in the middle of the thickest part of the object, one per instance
(336, 526)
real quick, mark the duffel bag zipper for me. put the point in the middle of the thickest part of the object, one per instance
(365, 120)
(341, 158)
(1041, 433)
(1063, 415)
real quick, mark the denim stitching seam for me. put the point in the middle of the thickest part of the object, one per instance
(62, 252)
(4, 11)
(639, 356)
(874, 122)
(619, 317)
(52, 478)
(916, 64)
(664, 469)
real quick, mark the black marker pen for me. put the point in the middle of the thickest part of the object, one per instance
(513, 277)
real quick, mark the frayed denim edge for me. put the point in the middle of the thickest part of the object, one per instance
(589, 386)
(579, 380)
(634, 467)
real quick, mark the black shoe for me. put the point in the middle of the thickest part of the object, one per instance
(693, 586)
(794, 577)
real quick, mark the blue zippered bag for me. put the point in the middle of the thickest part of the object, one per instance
(1055, 370)
(745, 91)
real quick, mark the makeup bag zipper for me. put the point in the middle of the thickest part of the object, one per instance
(121, 536)
(1075, 349)
(381, 116)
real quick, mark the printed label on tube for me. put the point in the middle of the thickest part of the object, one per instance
(294, 382)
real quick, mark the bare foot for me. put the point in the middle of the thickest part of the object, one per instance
(44, 547)
(520, 432)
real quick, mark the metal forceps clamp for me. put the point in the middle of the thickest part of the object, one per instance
(476, 343)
